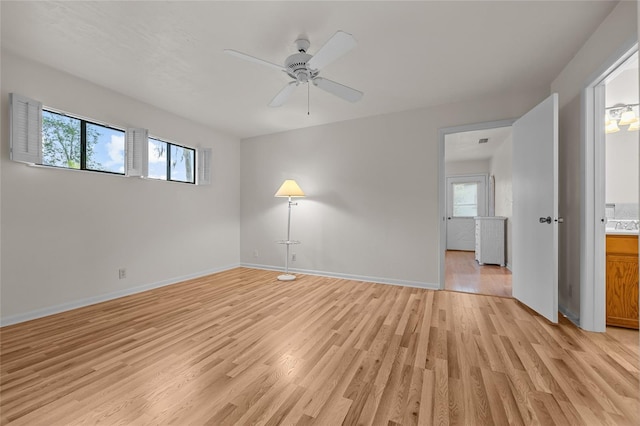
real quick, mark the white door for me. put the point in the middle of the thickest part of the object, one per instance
(466, 198)
(535, 209)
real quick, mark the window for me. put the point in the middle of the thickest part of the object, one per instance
(157, 159)
(74, 143)
(465, 199)
(168, 161)
(51, 138)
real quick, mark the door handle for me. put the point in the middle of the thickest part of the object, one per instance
(449, 218)
(548, 220)
(545, 219)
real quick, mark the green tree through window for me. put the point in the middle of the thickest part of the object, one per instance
(62, 142)
(168, 161)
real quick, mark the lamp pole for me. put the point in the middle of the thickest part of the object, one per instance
(288, 243)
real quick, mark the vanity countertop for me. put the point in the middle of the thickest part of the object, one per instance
(610, 231)
(622, 227)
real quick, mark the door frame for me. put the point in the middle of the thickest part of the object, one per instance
(442, 181)
(592, 239)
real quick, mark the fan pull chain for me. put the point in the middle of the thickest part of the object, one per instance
(308, 96)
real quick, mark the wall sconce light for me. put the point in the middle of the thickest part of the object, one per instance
(621, 115)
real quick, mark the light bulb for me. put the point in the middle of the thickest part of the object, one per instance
(612, 127)
(628, 117)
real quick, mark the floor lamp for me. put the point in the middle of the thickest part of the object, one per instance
(289, 189)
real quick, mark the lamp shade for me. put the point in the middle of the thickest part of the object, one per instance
(612, 127)
(627, 117)
(634, 126)
(289, 189)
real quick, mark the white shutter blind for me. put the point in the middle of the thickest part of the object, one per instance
(137, 152)
(25, 131)
(204, 166)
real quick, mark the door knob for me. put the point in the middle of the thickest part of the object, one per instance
(449, 218)
(545, 219)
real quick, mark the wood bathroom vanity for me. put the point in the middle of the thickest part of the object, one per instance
(622, 280)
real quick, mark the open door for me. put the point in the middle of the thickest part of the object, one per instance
(535, 209)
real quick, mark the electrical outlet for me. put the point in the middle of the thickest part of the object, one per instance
(122, 273)
(293, 257)
(255, 253)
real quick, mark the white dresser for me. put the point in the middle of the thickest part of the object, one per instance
(490, 240)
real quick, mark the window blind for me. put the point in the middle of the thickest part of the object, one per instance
(203, 174)
(25, 123)
(137, 152)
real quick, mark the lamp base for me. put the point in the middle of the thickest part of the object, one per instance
(286, 277)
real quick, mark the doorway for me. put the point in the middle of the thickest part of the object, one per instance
(477, 194)
(610, 192)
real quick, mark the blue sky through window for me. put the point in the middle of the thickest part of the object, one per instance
(109, 150)
(157, 159)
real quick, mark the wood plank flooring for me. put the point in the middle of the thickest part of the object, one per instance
(462, 273)
(240, 347)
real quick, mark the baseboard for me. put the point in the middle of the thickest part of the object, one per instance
(377, 280)
(569, 315)
(509, 267)
(39, 313)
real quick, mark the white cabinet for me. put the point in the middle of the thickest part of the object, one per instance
(490, 240)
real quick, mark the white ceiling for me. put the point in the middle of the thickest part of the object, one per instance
(410, 54)
(464, 146)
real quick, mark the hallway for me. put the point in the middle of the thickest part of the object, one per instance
(462, 273)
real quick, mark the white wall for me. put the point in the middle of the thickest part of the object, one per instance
(372, 207)
(622, 167)
(622, 147)
(501, 169)
(619, 27)
(453, 168)
(66, 233)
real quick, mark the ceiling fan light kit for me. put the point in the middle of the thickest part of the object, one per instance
(303, 67)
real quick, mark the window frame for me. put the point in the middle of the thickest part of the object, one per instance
(168, 165)
(475, 205)
(26, 144)
(83, 141)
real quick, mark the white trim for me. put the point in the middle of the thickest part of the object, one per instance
(592, 262)
(569, 315)
(51, 310)
(377, 280)
(442, 183)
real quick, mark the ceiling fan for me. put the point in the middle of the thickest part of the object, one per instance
(304, 68)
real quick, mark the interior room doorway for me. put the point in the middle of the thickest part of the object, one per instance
(534, 208)
(477, 169)
(609, 285)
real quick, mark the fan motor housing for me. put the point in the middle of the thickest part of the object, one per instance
(296, 66)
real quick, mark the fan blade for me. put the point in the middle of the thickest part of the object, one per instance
(253, 59)
(344, 92)
(335, 47)
(283, 95)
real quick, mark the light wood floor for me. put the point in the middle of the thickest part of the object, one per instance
(462, 273)
(240, 347)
